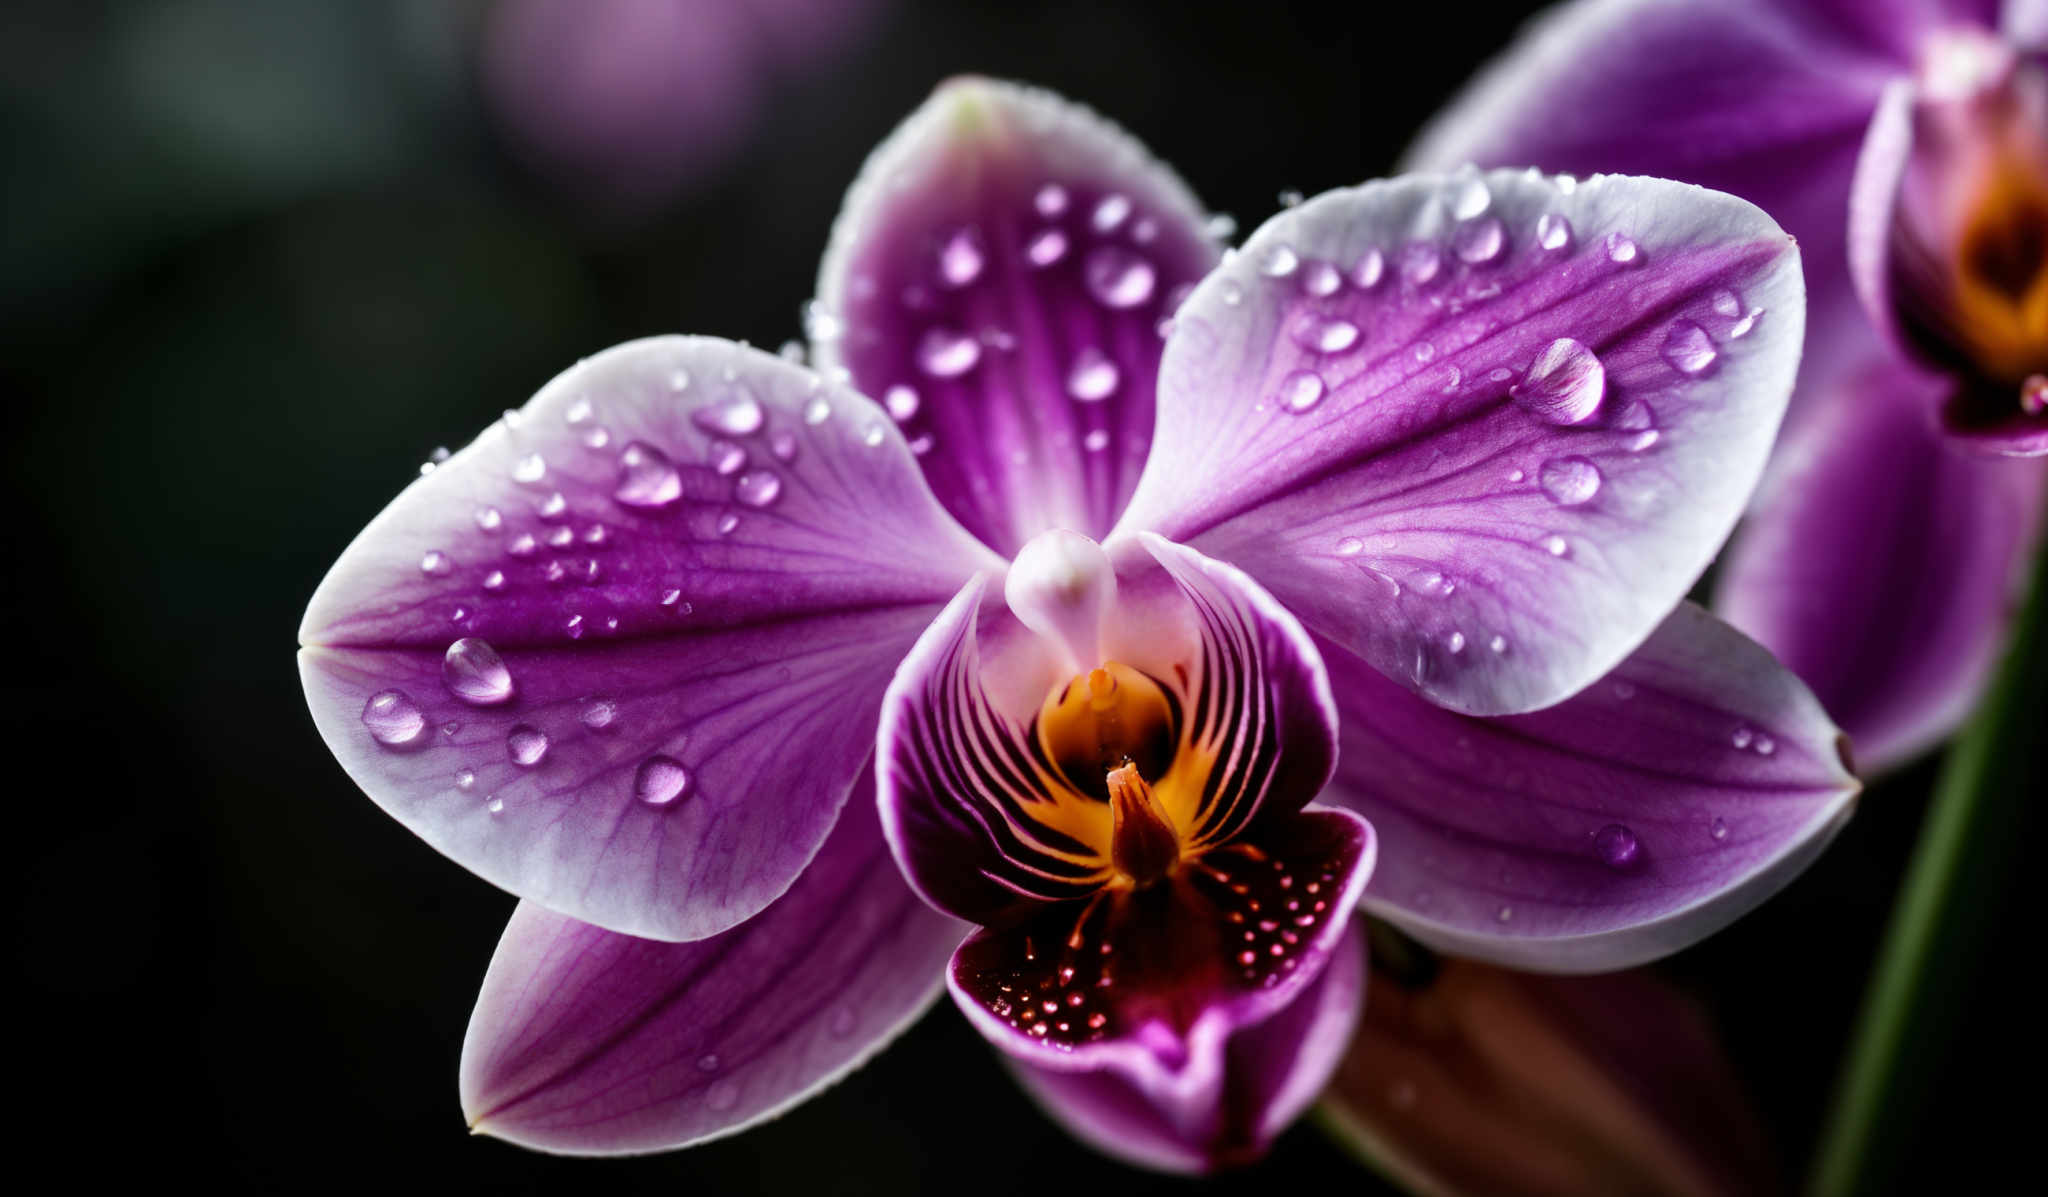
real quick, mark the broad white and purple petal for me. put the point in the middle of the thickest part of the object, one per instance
(588, 1042)
(989, 822)
(623, 655)
(1621, 825)
(1483, 430)
(1269, 1073)
(1882, 562)
(998, 278)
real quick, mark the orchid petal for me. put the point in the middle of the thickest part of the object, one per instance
(1882, 565)
(1766, 100)
(1482, 1080)
(999, 276)
(1271, 1071)
(1616, 827)
(587, 1042)
(1494, 466)
(985, 819)
(622, 655)
(1152, 985)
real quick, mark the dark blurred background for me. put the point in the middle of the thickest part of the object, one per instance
(261, 258)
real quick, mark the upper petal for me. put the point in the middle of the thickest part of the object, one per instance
(1882, 565)
(622, 655)
(987, 819)
(1621, 825)
(588, 1042)
(1499, 453)
(999, 275)
(1270, 1073)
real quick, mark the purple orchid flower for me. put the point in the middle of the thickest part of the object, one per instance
(1906, 146)
(1131, 544)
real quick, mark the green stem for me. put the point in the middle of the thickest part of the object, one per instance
(1943, 924)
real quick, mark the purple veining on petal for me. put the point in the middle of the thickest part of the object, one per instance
(1035, 369)
(1719, 769)
(588, 1042)
(703, 608)
(1537, 451)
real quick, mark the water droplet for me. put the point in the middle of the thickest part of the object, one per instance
(1765, 746)
(526, 745)
(598, 713)
(1370, 270)
(679, 379)
(495, 580)
(1232, 293)
(1329, 336)
(1480, 241)
(1350, 546)
(722, 1096)
(465, 780)
(820, 324)
(1741, 328)
(1425, 352)
(489, 519)
(1092, 377)
(647, 479)
(1421, 262)
(1046, 248)
(1553, 231)
(1221, 226)
(436, 564)
(961, 258)
(843, 1020)
(530, 468)
(475, 673)
(1742, 737)
(1622, 250)
(726, 523)
(1617, 846)
(1727, 303)
(1498, 645)
(1556, 545)
(782, 443)
(561, 537)
(1279, 261)
(1290, 198)
(1118, 278)
(738, 415)
(1469, 197)
(1110, 213)
(1688, 348)
(1301, 390)
(816, 412)
(660, 780)
(523, 545)
(1321, 279)
(1564, 385)
(578, 412)
(708, 1062)
(947, 352)
(393, 718)
(1569, 481)
(873, 435)
(1096, 441)
(757, 488)
(1504, 914)
(1050, 201)
(1455, 642)
(495, 805)
(1718, 828)
(554, 506)
(901, 400)
(726, 457)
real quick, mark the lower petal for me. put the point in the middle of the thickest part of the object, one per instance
(1881, 565)
(588, 1042)
(1623, 824)
(1271, 1072)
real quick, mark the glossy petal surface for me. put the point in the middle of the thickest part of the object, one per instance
(998, 277)
(1153, 984)
(1483, 1080)
(1271, 1071)
(588, 1042)
(1882, 563)
(1527, 420)
(983, 816)
(1621, 825)
(644, 625)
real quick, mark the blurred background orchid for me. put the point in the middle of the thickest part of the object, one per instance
(265, 257)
